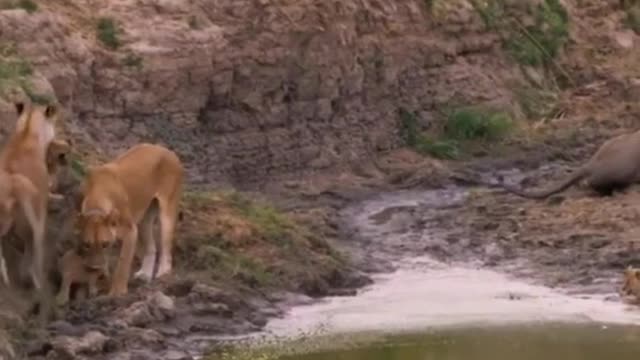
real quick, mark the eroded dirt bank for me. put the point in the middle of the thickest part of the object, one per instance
(247, 107)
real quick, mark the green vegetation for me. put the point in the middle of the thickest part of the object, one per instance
(535, 44)
(410, 132)
(193, 22)
(15, 73)
(13, 70)
(537, 103)
(232, 238)
(472, 123)
(461, 126)
(108, 33)
(29, 6)
(37, 98)
(429, 4)
(632, 17)
(133, 61)
(78, 167)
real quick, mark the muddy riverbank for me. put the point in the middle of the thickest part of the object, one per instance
(505, 245)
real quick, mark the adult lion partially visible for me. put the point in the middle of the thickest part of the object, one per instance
(25, 154)
(18, 197)
(133, 190)
(615, 166)
(631, 284)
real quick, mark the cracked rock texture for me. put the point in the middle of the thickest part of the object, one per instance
(254, 90)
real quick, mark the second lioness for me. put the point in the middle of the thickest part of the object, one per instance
(133, 190)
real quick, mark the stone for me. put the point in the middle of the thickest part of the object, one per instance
(67, 347)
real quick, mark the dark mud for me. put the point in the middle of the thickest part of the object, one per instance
(574, 240)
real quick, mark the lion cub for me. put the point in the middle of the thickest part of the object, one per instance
(76, 270)
(631, 285)
(57, 161)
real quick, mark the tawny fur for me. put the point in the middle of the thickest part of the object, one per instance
(17, 195)
(125, 197)
(631, 284)
(57, 163)
(25, 154)
(75, 271)
(615, 166)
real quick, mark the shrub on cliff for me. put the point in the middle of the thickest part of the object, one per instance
(108, 33)
(536, 43)
(461, 125)
(29, 6)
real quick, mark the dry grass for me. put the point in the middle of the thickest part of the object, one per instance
(233, 238)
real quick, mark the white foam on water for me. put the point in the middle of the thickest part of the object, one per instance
(434, 295)
(426, 294)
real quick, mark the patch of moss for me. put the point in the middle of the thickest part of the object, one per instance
(108, 33)
(462, 124)
(632, 17)
(78, 167)
(29, 6)
(536, 103)
(193, 22)
(472, 123)
(234, 238)
(535, 44)
(539, 43)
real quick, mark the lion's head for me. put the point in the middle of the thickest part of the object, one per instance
(98, 231)
(40, 119)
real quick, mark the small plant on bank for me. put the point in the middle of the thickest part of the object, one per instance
(539, 43)
(461, 126)
(534, 44)
(193, 23)
(14, 72)
(108, 33)
(29, 6)
(410, 132)
(632, 18)
(12, 69)
(474, 123)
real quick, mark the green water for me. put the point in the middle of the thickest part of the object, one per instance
(557, 342)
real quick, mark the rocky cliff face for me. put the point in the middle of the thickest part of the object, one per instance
(247, 90)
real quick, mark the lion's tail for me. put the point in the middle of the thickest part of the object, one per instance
(574, 178)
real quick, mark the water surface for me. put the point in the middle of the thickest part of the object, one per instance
(547, 342)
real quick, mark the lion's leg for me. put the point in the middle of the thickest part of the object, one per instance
(65, 289)
(168, 218)
(148, 245)
(120, 280)
(92, 285)
(3, 268)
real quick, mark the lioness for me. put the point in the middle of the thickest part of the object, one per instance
(631, 284)
(139, 186)
(75, 270)
(18, 195)
(615, 166)
(25, 154)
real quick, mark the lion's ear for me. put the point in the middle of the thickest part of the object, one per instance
(51, 111)
(19, 108)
